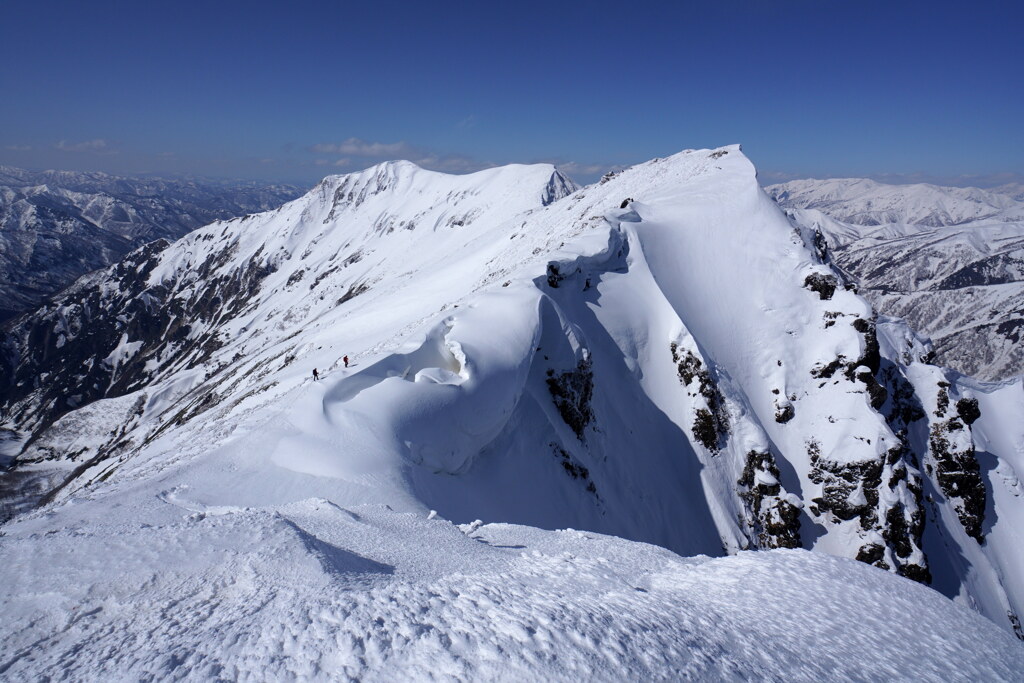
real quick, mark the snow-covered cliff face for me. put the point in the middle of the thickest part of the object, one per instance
(948, 260)
(661, 356)
(58, 225)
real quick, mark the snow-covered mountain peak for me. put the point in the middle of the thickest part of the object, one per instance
(661, 356)
(407, 178)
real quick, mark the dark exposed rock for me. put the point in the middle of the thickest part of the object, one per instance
(1012, 330)
(968, 410)
(820, 246)
(323, 276)
(774, 520)
(872, 357)
(942, 401)
(711, 423)
(876, 392)
(871, 553)
(572, 392)
(573, 468)
(1015, 623)
(915, 572)
(554, 276)
(688, 366)
(353, 291)
(902, 517)
(851, 491)
(830, 318)
(905, 407)
(863, 369)
(840, 485)
(704, 429)
(959, 477)
(825, 285)
(784, 412)
(826, 371)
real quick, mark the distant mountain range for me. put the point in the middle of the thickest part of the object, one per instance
(948, 260)
(58, 225)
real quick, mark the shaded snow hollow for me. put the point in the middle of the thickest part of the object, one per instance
(529, 355)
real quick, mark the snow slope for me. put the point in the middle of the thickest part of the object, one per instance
(949, 260)
(660, 357)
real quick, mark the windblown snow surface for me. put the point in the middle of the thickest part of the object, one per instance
(526, 359)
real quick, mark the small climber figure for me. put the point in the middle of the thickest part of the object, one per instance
(316, 375)
(346, 361)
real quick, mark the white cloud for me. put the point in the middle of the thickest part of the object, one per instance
(19, 148)
(97, 146)
(361, 148)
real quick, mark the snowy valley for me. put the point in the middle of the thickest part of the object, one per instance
(647, 428)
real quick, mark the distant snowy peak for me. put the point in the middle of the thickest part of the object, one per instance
(866, 202)
(516, 182)
(1014, 190)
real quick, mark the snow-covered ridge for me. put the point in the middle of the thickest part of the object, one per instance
(662, 357)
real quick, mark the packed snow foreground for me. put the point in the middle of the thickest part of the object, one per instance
(569, 418)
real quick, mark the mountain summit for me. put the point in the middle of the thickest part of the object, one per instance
(662, 356)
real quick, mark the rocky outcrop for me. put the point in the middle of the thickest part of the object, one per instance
(572, 392)
(884, 496)
(772, 514)
(573, 467)
(863, 370)
(823, 284)
(956, 467)
(711, 418)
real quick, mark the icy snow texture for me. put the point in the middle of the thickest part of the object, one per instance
(315, 591)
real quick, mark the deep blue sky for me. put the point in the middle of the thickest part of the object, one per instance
(295, 90)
